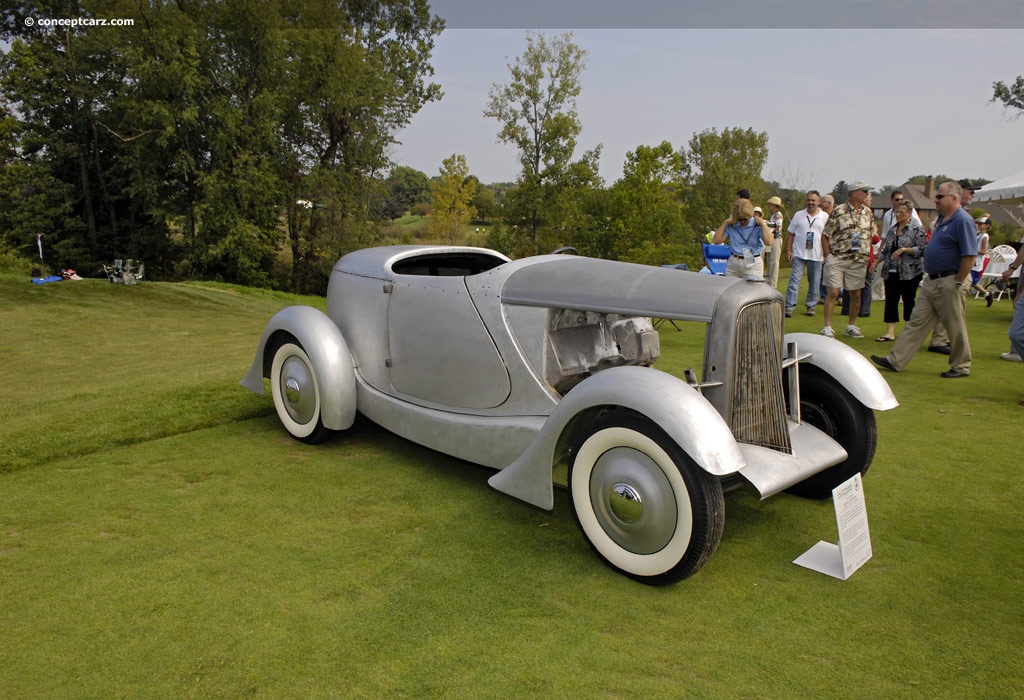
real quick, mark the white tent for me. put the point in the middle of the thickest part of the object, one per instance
(1009, 187)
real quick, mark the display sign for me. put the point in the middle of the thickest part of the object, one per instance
(854, 548)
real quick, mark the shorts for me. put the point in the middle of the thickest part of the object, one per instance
(845, 274)
(975, 276)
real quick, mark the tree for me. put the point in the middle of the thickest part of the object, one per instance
(646, 208)
(841, 192)
(407, 186)
(1011, 96)
(453, 199)
(537, 113)
(190, 134)
(483, 201)
(716, 165)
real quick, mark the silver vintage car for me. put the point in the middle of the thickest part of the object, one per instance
(526, 365)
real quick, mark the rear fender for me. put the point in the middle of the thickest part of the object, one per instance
(327, 350)
(678, 409)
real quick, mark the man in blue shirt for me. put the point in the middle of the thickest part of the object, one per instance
(948, 259)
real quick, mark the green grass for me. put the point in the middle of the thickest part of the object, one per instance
(160, 536)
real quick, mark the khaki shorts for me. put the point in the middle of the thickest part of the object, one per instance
(844, 274)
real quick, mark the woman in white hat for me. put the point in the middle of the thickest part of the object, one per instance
(773, 253)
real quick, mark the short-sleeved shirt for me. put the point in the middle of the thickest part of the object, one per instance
(742, 237)
(953, 238)
(849, 232)
(800, 225)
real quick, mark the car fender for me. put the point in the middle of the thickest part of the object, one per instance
(332, 361)
(678, 408)
(851, 369)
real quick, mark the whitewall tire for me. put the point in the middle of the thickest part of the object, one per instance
(296, 392)
(645, 507)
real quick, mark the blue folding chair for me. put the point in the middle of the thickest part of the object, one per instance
(716, 258)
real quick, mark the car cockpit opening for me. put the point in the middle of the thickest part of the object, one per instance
(448, 264)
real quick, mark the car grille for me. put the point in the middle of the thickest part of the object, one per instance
(759, 404)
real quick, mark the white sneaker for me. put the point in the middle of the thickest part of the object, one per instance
(854, 332)
(1011, 357)
(828, 332)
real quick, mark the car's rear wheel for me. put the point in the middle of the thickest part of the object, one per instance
(645, 507)
(296, 391)
(829, 407)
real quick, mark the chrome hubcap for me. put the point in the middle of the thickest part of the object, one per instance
(633, 500)
(298, 389)
(625, 503)
(291, 391)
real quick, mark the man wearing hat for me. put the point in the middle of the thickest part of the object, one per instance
(968, 188)
(846, 246)
(773, 254)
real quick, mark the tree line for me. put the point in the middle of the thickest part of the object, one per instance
(249, 142)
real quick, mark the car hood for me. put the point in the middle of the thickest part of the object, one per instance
(591, 284)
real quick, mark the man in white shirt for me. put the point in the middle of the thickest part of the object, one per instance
(803, 250)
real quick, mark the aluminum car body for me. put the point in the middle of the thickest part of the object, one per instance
(502, 362)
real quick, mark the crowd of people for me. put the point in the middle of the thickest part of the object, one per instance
(929, 271)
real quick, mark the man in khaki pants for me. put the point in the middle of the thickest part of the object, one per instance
(948, 259)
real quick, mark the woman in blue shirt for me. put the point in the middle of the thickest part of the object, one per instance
(747, 236)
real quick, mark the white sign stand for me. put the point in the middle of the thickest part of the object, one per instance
(854, 548)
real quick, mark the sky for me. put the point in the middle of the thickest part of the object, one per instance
(873, 104)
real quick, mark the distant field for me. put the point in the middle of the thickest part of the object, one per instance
(161, 536)
(413, 229)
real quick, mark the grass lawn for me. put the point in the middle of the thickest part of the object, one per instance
(161, 536)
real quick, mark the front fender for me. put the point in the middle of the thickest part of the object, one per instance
(851, 369)
(679, 409)
(327, 350)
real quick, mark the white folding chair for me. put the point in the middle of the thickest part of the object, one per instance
(1000, 258)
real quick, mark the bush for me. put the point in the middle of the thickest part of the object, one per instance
(14, 263)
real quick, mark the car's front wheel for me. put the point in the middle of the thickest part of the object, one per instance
(296, 391)
(830, 408)
(645, 507)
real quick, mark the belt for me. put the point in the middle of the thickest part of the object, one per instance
(937, 275)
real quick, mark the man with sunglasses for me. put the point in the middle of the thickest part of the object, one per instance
(940, 338)
(889, 217)
(948, 259)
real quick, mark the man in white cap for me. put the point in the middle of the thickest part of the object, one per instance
(846, 247)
